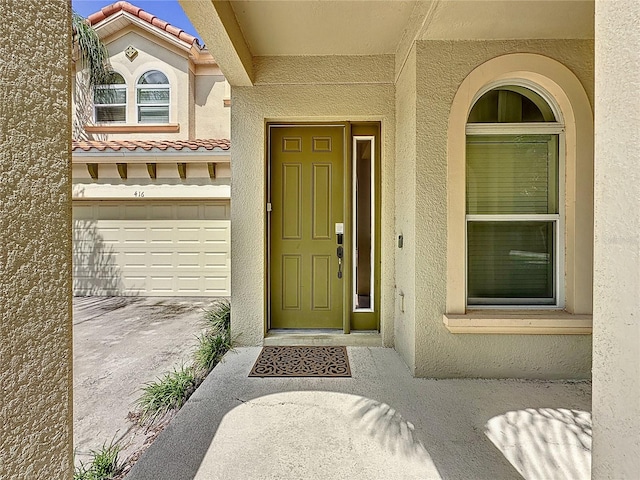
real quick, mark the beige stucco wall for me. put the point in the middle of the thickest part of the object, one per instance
(441, 68)
(337, 100)
(35, 228)
(197, 91)
(152, 56)
(212, 118)
(616, 330)
(405, 213)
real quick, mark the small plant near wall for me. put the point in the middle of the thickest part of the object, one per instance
(104, 464)
(170, 392)
(166, 394)
(216, 339)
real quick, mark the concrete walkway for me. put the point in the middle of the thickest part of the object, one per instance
(379, 424)
(119, 344)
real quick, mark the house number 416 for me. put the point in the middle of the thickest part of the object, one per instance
(138, 194)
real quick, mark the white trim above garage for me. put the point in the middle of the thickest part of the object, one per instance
(150, 191)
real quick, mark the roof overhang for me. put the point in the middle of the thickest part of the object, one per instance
(156, 156)
(151, 151)
(121, 21)
(241, 30)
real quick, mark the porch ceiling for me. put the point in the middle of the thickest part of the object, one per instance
(373, 27)
(324, 27)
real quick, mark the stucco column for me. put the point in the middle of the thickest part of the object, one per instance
(616, 313)
(35, 233)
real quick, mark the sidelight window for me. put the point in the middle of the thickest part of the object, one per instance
(363, 215)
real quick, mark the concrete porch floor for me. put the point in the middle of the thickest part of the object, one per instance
(380, 424)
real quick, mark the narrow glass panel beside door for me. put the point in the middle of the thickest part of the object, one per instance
(363, 216)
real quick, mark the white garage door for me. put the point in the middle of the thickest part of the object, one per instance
(151, 248)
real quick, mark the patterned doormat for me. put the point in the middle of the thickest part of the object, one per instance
(302, 362)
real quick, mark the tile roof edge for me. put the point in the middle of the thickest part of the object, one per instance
(145, 16)
(195, 145)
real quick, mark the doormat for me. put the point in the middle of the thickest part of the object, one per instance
(302, 362)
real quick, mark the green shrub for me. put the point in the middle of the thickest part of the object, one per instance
(216, 340)
(104, 464)
(167, 393)
(174, 389)
(218, 318)
(211, 348)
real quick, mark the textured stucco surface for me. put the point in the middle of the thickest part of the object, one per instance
(35, 228)
(441, 67)
(616, 330)
(252, 107)
(405, 173)
(322, 70)
(197, 91)
(152, 56)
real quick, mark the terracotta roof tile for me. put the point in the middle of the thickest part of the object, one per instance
(114, 8)
(148, 145)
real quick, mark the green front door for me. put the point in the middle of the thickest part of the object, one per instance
(307, 201)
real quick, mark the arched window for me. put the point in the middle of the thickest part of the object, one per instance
(152, 97)
(514, 227)
(110, 100)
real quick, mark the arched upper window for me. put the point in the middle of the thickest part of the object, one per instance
(110, 100)
(153, 97)
(513, 200)
(511, 104)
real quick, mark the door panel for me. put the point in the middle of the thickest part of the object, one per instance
(307, 175)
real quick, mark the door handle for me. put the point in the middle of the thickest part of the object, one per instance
(340, 254)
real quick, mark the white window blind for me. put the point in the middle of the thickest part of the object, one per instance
(110, 100)
(153, 98)
(512, 219)
(512, 174)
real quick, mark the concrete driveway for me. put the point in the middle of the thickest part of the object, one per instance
(119, 344)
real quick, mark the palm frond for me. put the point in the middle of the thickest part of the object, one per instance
(91, 52)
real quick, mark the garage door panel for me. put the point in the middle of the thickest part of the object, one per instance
(188, 283)
(149, 249)
(161, 260)
(216, 260)
(135, 212)
(189, 259)
(134, 235)
(217, 285)
(109, 234)
(108, 212)
(189, 212)
(162, 212)
(160, 283)
(216, 212)
(83, 212)
(134, 259)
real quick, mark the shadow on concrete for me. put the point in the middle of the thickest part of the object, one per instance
(543, 443)
(380, 424)
(386, 425)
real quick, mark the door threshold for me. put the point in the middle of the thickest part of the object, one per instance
(321, 337)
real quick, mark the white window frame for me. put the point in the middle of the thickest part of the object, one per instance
(354, 220)
(153, 86)
(548, 128)
(111, 86)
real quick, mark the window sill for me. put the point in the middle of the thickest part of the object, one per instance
(519, 322)
(122, 128)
